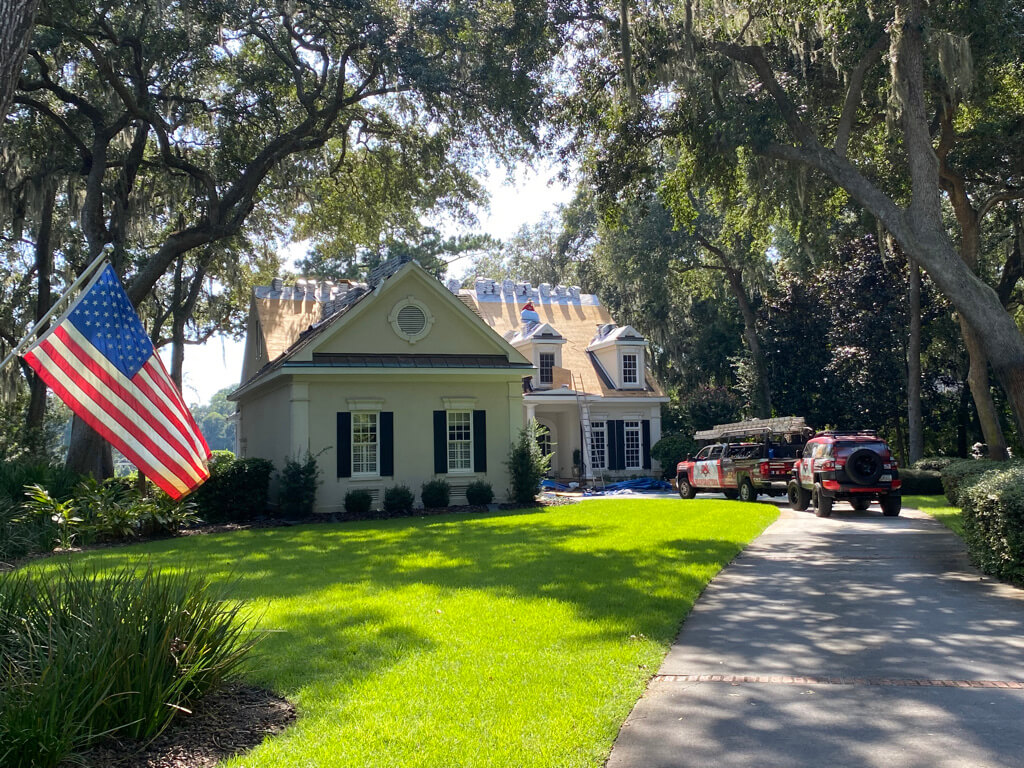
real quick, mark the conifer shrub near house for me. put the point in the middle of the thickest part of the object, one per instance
(992, 504)
(297, 487)
(357, 504)
(85, 655)
(479, 493)
(236, 491)
(436, 493)
(527, 465)
(398, 501)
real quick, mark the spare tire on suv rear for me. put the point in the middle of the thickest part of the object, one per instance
(864, 466)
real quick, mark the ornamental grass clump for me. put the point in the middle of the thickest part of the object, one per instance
(85, 655)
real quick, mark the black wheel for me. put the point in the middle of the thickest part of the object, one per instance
(746, 490)
(891, 505)
(799, 497)
(860, 503)
(731, 493)
(822, 503)
(686, 491)
(864, 466)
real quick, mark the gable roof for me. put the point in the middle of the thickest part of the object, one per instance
(576, 317)
(282, 325)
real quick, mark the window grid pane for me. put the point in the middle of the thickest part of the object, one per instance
(597, 445)
(629, 369)
(632, 430)
(547, 364)
(460, 441)
(364, 443)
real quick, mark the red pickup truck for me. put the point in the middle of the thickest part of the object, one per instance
(761, 462)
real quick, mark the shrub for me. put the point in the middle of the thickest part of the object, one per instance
(85, 655)
(934, 463)
(358, 503)
(479, 493)
(398, 500)
(993, 521)
(961, 473)
(527, 465)
(236, 490)
(436, 494)
(921, 481)
(297, 488)
(15, 475)
(23, 533)
(670, 450)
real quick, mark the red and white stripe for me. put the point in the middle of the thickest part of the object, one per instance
(143, 417)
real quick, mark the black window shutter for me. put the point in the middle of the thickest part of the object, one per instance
(616, 445)
(344, 444)
(387, 444)
(440, 442)
(479, 441)
(645, 447)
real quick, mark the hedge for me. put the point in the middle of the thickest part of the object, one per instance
(961, 473)
(921, 481)
(993, 517)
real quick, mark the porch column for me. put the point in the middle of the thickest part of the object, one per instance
(531, 412)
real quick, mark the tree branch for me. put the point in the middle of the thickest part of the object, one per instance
(853, 93)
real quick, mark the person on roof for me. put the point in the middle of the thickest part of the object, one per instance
(529, 314)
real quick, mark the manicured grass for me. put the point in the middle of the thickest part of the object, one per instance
(938, 507)
(519, 639)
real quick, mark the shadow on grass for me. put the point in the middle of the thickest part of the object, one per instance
(628, 583)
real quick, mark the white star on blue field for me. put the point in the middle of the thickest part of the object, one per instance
(106, 317)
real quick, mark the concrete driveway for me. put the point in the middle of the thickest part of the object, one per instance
(856, 640)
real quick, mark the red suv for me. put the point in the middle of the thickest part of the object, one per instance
(849, 466)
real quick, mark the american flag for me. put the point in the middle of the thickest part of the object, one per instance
(100, 362)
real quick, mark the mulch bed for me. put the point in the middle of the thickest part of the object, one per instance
(229, 721)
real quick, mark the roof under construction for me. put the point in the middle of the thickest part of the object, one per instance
(786, 425)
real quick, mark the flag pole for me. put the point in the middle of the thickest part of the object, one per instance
(53, 310)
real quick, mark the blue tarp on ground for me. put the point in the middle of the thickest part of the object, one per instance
(640, 484)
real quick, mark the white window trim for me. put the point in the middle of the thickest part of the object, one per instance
(540, 370)
(352, 448)
(448, 442)
(622, 369)
(603, 429)
(640, 444)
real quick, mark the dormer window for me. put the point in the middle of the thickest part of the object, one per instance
(630, 374)
(547, 365)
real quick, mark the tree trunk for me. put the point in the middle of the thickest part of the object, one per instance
(44, 262)
(18, 20)
(969, 221)
(981, 391)
(762, 388)
(88, 453)
(915, 426)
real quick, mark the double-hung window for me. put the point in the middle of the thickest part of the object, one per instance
(598, 446)
(630, 372)
(365, 444)
(547, 365)
(633, 449)
(460, 441)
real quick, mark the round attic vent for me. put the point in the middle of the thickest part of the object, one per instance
(411, 319)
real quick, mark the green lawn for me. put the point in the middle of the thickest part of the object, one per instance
(519, 639)
(939, 508)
